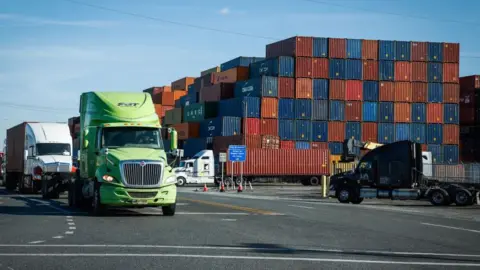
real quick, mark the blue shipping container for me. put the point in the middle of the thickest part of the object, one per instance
(419, 112)
(386, 70)
(194, 145)
(434, 133)
(336, 148)
(236, 107)
(450, 154)
(369, 111)
(353, 69)
(286, 108)
(320, 47)
(178, 103)
(264, 86)
(385, 112)
(337, 110)
(386, 50)
(303, 130)
(320, 110)
(220, 126)
(435, 52)
(242, 61)
(320, 89)
(435, 93)
(303, 109)
(370, 91)
(417, 132)
(353, 130)
(286, 129)
(336, 68)
(436, 150)
(354, 48)
(302, 145)
(402, 132)
(402, 50)
(319, 131)
(282, 66)
(451, 114)
(435, 72)
(386, 132)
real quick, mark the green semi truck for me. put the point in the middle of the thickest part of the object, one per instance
(122, 161)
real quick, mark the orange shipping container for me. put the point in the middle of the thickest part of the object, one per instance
(187, 130)
(269, 127)
(434, 113)
(451, 134)
(419, 72)
(370, 49)
(183, 83)
(450, 73)
(403, 92)
(320, 68)
(164, 98)
(286, 87)
(353, 111)
(369, 132)
(403, 71)
(161, 109)
(451, 93)
(269, 107)
(370, 70)
(177, 94)
(353, 90)
(337, 89)
(230, 76)
(158, 90)
(336, 131)
(387, 91)
(402, 112)
(451, 52)
(419, 92)
(303, 67)
(303, 88)
(419, 51)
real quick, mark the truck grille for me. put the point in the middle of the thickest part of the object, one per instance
(62, 167)
(142, 173)
(142, 195)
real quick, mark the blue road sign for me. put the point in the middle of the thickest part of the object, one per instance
(237, 153)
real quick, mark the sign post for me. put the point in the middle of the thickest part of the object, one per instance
(238, 153)
(222, 158)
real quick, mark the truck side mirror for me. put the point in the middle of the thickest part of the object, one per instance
(26, 154)
(173, 139)
(85, 144)
(85, 140)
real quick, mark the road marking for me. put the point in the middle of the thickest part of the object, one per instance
(182, 204)
(228, 219)
(36, 242)
(69, 217)
(69, 232)
(450, 227)
(231, 257)
(58, 237)
(72, 228)
(71, 224)
(207, 213)
(241, 208)
(301, 206)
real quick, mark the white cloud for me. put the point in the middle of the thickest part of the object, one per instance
(36, 21)
(225, 11)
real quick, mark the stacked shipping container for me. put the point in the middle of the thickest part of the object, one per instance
(470, 118)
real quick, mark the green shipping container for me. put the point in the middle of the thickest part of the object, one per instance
(200, 111)
(173, 116)
(210, 70)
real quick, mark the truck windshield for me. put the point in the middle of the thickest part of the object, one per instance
(181, 164)
(53, 149)
(132, 137)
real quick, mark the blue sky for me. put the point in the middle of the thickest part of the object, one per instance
(53, 50)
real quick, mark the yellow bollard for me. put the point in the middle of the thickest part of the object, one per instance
(324, 186)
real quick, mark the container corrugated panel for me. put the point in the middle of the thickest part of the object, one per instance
(320, 47)
(470, 82)
(217, 92)
(303, 88)
(435, 92)
(251, 126)
(294, 46)
(337, 90)
(287, 145)
(182, 84)
(265, 86)
(303, 67)
(336, 131)
(419, 51)
(319, 145)
(353, 111)
(370, 70)
(220, 126)
(187, 130)
(434, 113)
(353, 90)
(370, 91)
(302, 145)
(419, 92)
(286, 87)
(303, 130)
(336, 68)
(354, 48)
(337, 48)
(303, 109)
(386, 70)
(286, 129)
(403, 112)
(200, 111)
(353, 130)
(194, 145)
(385, 112)
(451, 113)
(269, 127)
(451, 93)
(386, 50)
(242, 61)
(435, 52)
(337, 110)
(286, 108)
(403, 71)
(402, 50)
(210, 70)
(231, 75)
(173, 116)
(353, 69)
(386, 91)
(369, 113)
(335, 148)
(240, 107)
(403, 92)
(221, 144)
(370, 49)
(269, 107)
(451, 52)
(435, 72)
(282, 66)
(451, 134)
(369, 132)
(419, 72)
(386, 132)
(419, 112)
(450, 154)
(451, 73)
(434, 133)
(320, 110)
(402, 132)
(320, 89)
(319, 131)
(436, 150)
(320, 68)
(418, 133)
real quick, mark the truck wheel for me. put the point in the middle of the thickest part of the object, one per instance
(181, 181)
(98, 208)
(71, 189)
(439, 197)
(314, 181)
(169, 210)
(463, 197)
(10, 182)
(344, 195)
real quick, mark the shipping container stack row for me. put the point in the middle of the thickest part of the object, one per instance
(470, 118)
(74, 126)
(165, 97)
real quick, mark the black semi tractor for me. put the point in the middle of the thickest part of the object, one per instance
(395, 171)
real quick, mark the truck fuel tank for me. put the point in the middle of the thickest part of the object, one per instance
(368, 193)
(405, 194)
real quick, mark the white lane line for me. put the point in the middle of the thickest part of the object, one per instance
(58, 237)
(72, 228)
(182, 204)
(271, 258)
(71, 224)
(69, 217)
(301, 206)
(228, 219)
(69, 232)
(36, 242)
(212, 213)
(450, 227)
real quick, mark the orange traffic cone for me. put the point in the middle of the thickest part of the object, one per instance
(222, 188)
(240, 188)
(205, 188)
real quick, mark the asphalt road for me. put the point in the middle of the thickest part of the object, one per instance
(263, 229)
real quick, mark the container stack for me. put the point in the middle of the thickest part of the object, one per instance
(470, 118)
(74, 126)
(164, 98)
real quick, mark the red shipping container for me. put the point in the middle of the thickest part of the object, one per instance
(269, 127)
(320, 68)
(434, 113)
(303, 88)
(269, 107)
(370, 70)
(231, 76)
(278, 162)
(303, 67)
(294, 46)
(470, 82)
(319, 145)
(164, 98)
(217, 92)
(387, 91)
(370, 49)
(451, 134)
(403, 71)
(419, 72)
(403, 92)
(251, 126)
(187, 130)
(450, 73)
(451, 93)
(183, 83)
(369, 132)
(402, 112)
(270, 142)
(419, 51)
(419, 92)
(161, 109)
(337, 48)
(353, 90)
(353, 111)
(451, 52)
(337, 89)
(158, 90)
(336, 131)
(287, 145)
(221, 143)
(286, 87)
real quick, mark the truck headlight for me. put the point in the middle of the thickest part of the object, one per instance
(171, 179)
(107, 178)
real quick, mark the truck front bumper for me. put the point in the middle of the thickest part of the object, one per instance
(131, 197)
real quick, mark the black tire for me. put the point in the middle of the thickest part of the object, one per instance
(344, 194)
(98, 209)
(10, 182)
(439, 197)
(45, 193)
(169, 210)
(71, 190)
(314, 181)
(181, 181)
(463, 197)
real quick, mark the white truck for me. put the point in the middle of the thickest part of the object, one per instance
(38, 157)
(200, 169)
